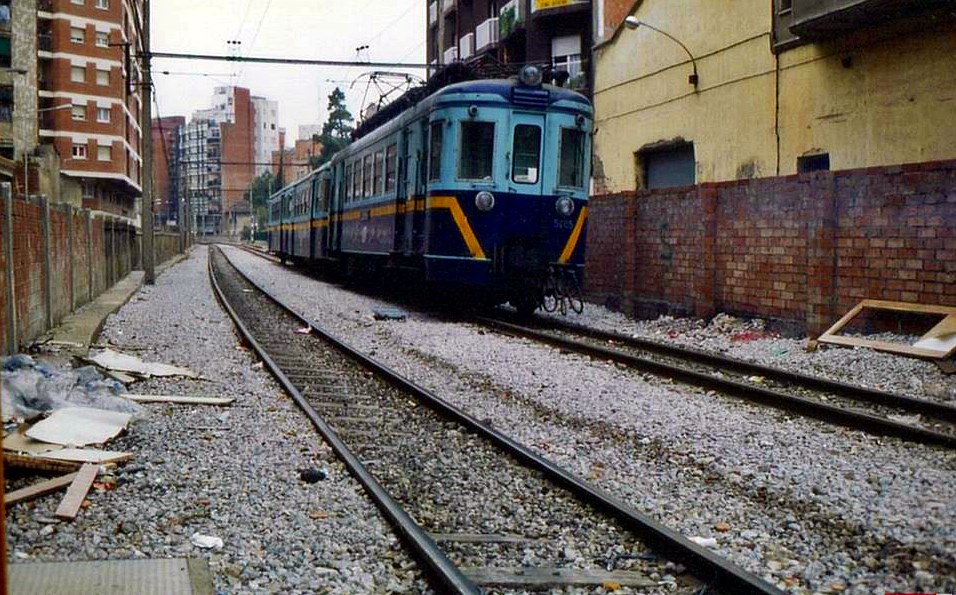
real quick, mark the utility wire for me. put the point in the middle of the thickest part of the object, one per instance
(255, 36)
(297, 61)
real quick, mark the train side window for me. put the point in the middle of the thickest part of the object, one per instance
(571, 166)
(348, 182)
(390, 180)
(367, 176)
(434, 150)
(477, 151)
(527, 154)
(356, 179)
(378, 175)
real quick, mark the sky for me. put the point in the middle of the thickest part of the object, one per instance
(394, 30)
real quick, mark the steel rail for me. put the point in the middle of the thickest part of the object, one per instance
(780, 400)
(718, 572)
(438, 565)
(862, 394)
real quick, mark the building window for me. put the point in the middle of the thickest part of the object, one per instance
(104, 4)
(810, 163)
(78, 74)
(566, 57)
(527, 154)
(80, 2)
(102, 114)
(89, 190)
(79, 112)
(104, 153)
(77, 35)
(785, 6)
(79, 151)
(6, 103)
(102, 39)
(103, 77)
(477, 151)
(667, 167)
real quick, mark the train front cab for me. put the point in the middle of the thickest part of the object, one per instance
(508, 167)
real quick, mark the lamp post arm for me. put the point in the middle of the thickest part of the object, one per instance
(693, 60)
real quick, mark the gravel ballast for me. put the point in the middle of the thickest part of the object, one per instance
(228, 472)
(812, 507)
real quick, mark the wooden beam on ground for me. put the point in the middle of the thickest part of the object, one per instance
(76, 493)
(938, 343)
(39, 489)
(179, 400)
(39, 463)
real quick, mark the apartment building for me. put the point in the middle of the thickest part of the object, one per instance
(166, 134)
(266, 124)
(499, 37)
(90, 100)
(200, 148)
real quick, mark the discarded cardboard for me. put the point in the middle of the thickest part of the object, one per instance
(76, 493)
(121, 362)
(38, 489)
(179, 400)
(87, 455)
(77, 426)
(17, 442)
(938, 343)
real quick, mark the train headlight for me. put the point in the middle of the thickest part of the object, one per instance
(564, 206)
(485, 201)
(531, 75)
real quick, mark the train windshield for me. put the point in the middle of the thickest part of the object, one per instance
(477, 151)
(527, 154)
(571, 167)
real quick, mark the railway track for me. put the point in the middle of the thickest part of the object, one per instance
(477, 509)
(852, 406)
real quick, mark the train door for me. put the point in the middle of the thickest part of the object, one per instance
(525, 174)
(408, 189)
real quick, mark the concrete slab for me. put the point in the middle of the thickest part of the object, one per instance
(78, 331)
(179, 576)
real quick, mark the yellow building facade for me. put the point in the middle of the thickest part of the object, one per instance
(873, 95)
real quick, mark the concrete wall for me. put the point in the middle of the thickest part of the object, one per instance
(801, 249)
(877, 97)
(87, 255)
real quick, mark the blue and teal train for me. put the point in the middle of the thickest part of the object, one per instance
(482, 186)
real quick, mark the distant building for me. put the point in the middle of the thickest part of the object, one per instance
(200, 143)
(266, 125)
(166, 168)
(502, 36)
(307, 131)
(295, 163)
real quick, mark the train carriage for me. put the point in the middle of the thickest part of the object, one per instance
(481, 185)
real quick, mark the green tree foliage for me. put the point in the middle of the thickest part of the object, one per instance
(337, 130)
(258, 196)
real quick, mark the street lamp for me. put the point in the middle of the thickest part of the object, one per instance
(633, 23)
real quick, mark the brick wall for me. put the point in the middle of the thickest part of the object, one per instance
(103, 249)
(799, 249)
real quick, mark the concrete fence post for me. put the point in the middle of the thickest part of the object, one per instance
(11, 294)
(108, 249)
(71, 257)
(47, 262)
(88, 224)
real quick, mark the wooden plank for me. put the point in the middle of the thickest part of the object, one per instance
(179, 400)
(39, 463)
(839, 324)
(934, 344)
(543, 577)
(908, 307)
(87, 455)
(941, 337)
(39, 489)
(886, 346)
(70, 505)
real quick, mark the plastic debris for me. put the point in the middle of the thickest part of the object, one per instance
(304, 331)
(313, 475)
(704, 541)
(206, 542)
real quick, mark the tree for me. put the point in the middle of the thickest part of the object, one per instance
(258, 194)
(337, 130)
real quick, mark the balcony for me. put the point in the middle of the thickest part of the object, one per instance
(45, 42)
(486, 35)
(511, 18)
(819, 19)
(433, 13)
(448, 6)
(466, 46)
(451, 55)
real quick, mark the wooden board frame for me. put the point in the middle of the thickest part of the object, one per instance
(946, 327)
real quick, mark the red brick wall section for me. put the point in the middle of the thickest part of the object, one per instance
(59, 264)
(81, 264)
(28, 268)
(799, 249)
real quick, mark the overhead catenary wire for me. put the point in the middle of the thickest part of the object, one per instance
(289, 61)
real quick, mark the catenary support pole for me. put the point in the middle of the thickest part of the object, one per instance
(146, 126)
(11, 294)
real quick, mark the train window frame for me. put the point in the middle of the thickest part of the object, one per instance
(514, 155)
(581, 165)
(367, 176)
(391, 168)
(356, 179)
(471, 143)
(348, 182)
(435, 149)
(378, 173)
